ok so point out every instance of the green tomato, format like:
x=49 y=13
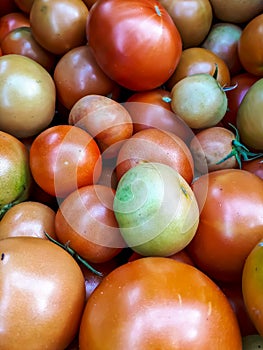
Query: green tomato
x=156 y=210
x=252 y=342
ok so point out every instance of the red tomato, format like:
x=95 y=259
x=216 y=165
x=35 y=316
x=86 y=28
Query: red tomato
x=11 y=21
x=63 y=158
x=158 y=303
x=254 y=166
x=154 y=145
x=231 y=222
x=242 y=81
x=139 y=47
x=85 y=218
x=152 y=109
x=21 y=42
x=24 y=5
x=250 y=46
x=77 y=74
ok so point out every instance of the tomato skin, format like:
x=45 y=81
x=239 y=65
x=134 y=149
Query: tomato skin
x=21 y=41
x=124 y=40
x=254 y=166
x=77 y=74
x=85 y=218
x=252 y=279
x=63 y=158
x=44 y=294
x=59 y=25
x=188 y=315
x=231 y=222
x=11 y=21
x=250 y=44
x=243 y=82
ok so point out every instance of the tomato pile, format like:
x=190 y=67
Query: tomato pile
x=131 y=174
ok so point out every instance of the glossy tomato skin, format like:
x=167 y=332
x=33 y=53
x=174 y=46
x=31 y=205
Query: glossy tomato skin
x=42 y=287
x=231 y=222
x=164 y=310
x=250 y=44
x=252 y=279
x=139 y=47
x=20 y=41
x=192 y=18
x=63 y=158
x=59 y=25
x=85 y=218
x=11 y=21
x=242 y=83
x=77 y=74
x=199 y=60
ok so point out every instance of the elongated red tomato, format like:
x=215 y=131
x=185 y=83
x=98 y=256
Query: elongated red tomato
x=135 y=42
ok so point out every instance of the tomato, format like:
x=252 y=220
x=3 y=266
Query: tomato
x=199 y=60
x=11 y=21
x=156 y=209
x=254 y=166
x=242 y=83
x=105 y=119
x=252 y=285
x=249 y=117
x=252 y=342
x=28 y=219
x=222 y=39
x=59 y=25
x=152 y=109
x=249 y=46
x=236 y=11
x=63 y=158
x=166 y=303
x=86 y=220
x=231 y=222
x=27 y=96
x=212 y=145
x=77 y=74
x=24 y=5
x=154 y=145
x=192 y=18
x=136 y=58
x=42 y=287
x=20 y=41
x=15 y=179
x=199 y=100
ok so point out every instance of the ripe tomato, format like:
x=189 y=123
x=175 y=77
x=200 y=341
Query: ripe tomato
x=77 y=74
x=139 y=47
x=28 y=218
x=199 y=60
x=192 y=18
x=42 y=287
x=254 y=166
x=242 y=83
x=105 y=119
x=27 y=96
x=252 y=279
x=154 y=145
x=231 y=222
x=11 y=21
x=24 y=5
x=158 y=303
x=59 y=25
x=86 y=220
x=20 y=41
x=63 y=158
x=250 y=44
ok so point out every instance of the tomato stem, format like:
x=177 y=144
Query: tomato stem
x=239 y=151
x=74 y=254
